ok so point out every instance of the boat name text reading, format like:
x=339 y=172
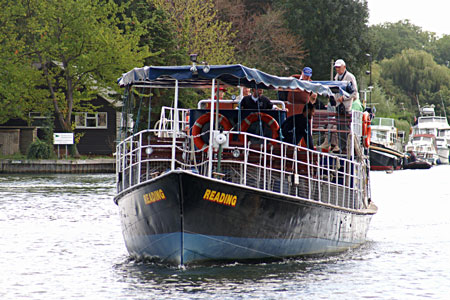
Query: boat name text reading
x=154 y=196
x=221 y=198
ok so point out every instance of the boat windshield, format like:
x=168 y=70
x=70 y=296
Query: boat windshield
x=432 y=120
x=383 y=122
x=423 y=139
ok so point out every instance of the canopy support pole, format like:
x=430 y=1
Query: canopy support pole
x=174 y=127
x=211 y=127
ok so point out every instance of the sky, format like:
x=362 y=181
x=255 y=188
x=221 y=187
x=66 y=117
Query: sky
x=431 y=15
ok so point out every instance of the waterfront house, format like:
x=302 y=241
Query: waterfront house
x=99 y=129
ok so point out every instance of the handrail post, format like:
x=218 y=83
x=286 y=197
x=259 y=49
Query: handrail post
x=319 y=180
x=282 y=169
x=265 y=165
x=130 y=178
x=308 y=162
x=139 y=155
x=245 y=159
x=174 y=127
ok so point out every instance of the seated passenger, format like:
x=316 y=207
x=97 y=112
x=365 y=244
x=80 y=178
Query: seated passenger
x=298 y=126
x=257 y=101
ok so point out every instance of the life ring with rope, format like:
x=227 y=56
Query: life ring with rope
x=366 y=129
x=198 y=126
x=266 y=118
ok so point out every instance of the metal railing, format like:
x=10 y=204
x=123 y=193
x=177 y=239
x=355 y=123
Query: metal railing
x=249 y=160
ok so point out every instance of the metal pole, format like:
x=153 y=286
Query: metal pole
x=370 y=82
x=174 y=127
x=217 y=106
x=370 y=78
x=332 y=69
x=211 y=122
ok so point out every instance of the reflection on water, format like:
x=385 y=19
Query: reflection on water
x=61 y=239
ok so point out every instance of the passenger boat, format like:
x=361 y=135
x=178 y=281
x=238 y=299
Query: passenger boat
x=244 y=195
x=424 y=147
x=386 y=146
x=434 y=149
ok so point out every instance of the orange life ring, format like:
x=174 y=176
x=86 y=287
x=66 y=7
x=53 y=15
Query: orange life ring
x=366 y=129
x=198 y=125
x=266 y=118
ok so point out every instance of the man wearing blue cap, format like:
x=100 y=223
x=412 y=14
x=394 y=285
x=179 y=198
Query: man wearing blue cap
x=299 y=97
x=306 y=74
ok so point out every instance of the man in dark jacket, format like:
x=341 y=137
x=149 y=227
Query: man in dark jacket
x=297 y=127
x=257 y=101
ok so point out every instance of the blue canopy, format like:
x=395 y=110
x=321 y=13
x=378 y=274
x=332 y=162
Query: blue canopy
x=234 y=75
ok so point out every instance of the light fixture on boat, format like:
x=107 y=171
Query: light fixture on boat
x=206 y=67
x=236 y=153
x=193 y=58
x=221 y=139
x=149 y=150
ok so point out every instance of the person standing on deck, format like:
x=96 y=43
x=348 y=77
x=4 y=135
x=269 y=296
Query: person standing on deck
x=257 y=101
x=350 y=102
x=298 y=127
x=306 y=75
x=301 y=97
x=344 y=75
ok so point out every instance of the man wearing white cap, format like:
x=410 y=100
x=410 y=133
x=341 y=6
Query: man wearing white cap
x=344 y=75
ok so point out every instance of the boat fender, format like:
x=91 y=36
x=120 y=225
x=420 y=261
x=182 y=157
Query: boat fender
x=266 y=118
x=198 y=125
x=366 y=129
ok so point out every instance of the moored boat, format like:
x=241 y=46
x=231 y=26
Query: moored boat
x=385 y=145
x=424 y=147
x=430 y=138
x=189 y=194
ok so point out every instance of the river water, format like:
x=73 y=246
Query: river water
x=61 y=239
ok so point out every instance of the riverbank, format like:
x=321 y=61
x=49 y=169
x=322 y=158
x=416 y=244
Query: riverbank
x=100 y=165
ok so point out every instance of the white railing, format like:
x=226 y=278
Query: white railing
x=258 y=163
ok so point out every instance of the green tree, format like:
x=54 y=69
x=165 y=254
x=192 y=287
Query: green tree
x=441 y=50
x=18 y=94
x=389 y=39
x=198 y=30
x=415 y=74
x=78 y=48
x=330 y=30
x=262 y=40
x=159 y=32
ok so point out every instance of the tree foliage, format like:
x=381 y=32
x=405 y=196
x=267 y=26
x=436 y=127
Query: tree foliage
x=198 y=30
x=441 y=50
x=18 y=95
x=414 y=73
x=77 y=47
x=389 y=39
x=330 y=30
x=262 y=39
x=158 y=32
